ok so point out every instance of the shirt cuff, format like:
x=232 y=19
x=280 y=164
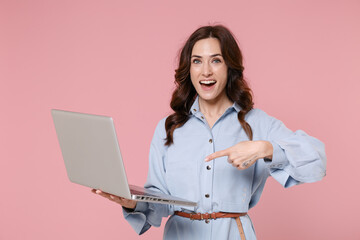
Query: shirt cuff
x=277 y=167
x=137 y=218
x=279 y=160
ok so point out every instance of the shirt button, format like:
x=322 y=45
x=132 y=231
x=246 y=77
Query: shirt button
x=207 y=221
x=194 y=109
x=208 y=167
x=207 y=195
x=202 y=117
x=210 y=140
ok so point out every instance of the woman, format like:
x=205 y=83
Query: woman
x=216 y=150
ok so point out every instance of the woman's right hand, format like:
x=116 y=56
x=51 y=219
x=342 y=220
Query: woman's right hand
x=126 y=203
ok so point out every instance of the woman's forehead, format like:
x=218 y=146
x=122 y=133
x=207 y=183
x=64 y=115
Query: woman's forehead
x=206 y=47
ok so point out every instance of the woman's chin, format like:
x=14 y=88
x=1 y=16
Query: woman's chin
x=208 y=97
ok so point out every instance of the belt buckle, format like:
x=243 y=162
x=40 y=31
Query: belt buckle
x=191 y=216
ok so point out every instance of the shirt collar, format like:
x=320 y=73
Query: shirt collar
x=236 y=107
x=195 y=107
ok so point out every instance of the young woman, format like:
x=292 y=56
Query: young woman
x=216 y=150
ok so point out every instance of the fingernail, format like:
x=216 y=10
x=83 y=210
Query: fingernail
x=111 y=196
x=206 y=159
x=98 y=191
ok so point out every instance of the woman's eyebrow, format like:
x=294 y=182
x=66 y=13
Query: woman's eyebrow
x=213 y=55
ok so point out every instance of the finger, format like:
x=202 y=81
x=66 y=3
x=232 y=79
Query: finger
x=117 y=199
x=217 y=154
x=98 y=191
x=245 y=164
x=124 y=202
x=103 y=194
x=241 y=166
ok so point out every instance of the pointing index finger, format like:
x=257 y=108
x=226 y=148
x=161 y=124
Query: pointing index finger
x=217 y=154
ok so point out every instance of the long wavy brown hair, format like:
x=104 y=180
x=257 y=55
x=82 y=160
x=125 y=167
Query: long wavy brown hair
x=237 y=89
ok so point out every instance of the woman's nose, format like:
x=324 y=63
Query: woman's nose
x=206 y=70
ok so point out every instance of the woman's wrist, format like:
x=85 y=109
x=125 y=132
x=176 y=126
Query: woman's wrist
x=266 y=150
x=130 y=208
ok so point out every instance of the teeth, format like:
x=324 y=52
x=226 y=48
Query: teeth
x=207 y=81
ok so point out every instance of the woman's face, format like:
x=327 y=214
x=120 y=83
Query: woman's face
x=208 y=71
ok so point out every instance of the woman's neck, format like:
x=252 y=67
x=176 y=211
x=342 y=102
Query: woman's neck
x=214 y=107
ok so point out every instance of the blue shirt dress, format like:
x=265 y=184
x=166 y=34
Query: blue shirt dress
x=180 y=170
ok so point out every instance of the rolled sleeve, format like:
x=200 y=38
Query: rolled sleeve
x=297 y=157
x=137 y=217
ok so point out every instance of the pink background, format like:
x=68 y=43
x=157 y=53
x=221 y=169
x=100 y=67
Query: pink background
x=118 y=58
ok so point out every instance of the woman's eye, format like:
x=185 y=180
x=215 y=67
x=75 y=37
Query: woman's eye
x=196 y=61
x=217 y=61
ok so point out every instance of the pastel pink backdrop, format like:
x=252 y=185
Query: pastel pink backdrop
x=118 y=58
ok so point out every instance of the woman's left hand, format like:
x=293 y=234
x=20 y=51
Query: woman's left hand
x=244 y=154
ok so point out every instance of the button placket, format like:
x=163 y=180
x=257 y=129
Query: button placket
x=207 y=170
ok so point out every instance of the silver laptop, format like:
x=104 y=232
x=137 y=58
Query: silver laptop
x=92 y=157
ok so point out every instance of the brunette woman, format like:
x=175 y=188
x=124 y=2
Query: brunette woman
x=216 y=149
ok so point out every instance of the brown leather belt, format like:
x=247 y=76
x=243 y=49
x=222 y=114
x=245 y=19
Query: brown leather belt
x=206 y=216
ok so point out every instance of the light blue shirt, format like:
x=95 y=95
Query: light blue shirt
x=180 y=170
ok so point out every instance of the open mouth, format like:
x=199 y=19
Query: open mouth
x=207 y=83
